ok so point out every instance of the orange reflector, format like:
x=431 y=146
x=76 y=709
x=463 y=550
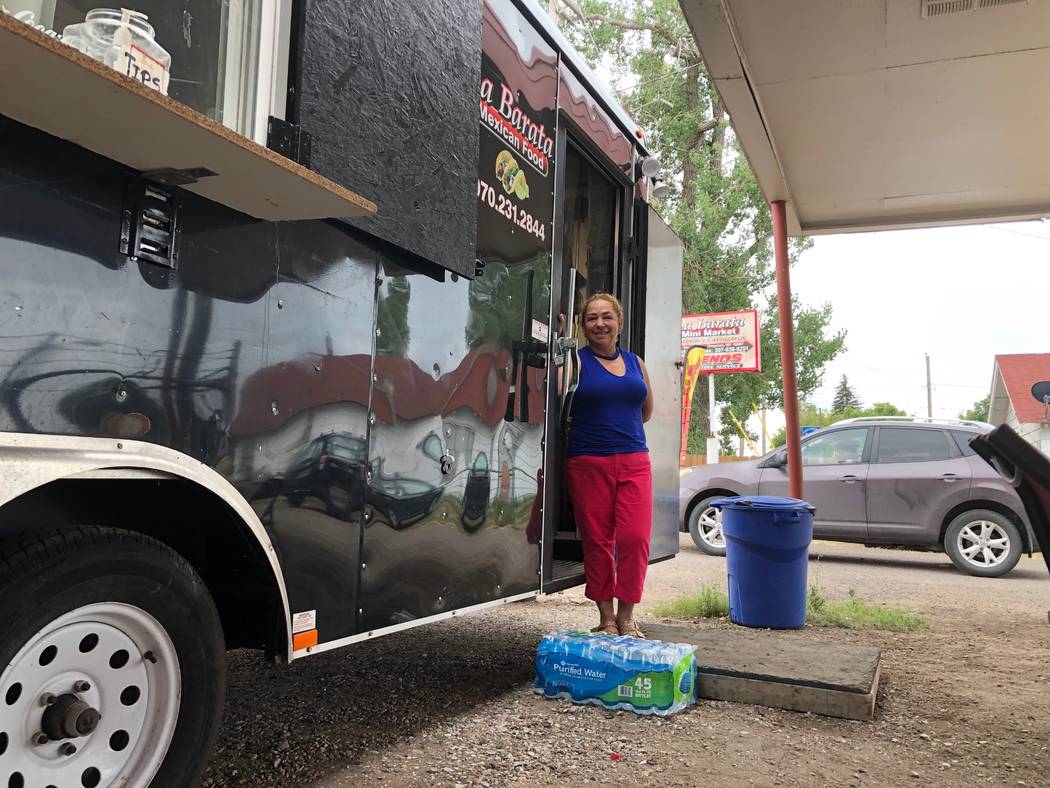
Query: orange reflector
x=304 y=640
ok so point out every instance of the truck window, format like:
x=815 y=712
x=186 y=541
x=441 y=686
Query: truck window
x=209 y=49
x=591 y=212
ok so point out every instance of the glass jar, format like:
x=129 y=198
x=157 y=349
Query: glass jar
x=123 y=40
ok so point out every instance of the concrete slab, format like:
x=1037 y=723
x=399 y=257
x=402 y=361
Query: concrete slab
x=755 y=666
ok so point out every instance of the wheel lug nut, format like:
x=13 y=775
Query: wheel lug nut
x=67 y=749
x=81 y=686
x=41 y=738
x=47 y=700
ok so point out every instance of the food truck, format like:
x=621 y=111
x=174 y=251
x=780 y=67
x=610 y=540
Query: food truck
x=279 y=341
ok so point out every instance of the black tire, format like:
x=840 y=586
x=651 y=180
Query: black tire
x=703 y=536
x=995 y=559
x=50 y=575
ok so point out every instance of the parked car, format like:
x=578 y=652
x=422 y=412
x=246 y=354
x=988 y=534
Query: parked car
x=882 y=482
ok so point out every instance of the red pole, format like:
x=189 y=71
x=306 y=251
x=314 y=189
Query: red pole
x=787 y=349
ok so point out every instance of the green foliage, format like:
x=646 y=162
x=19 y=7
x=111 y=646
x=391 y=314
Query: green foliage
x=812 y=416
x=979 y=411
x=392 y=321
x=714 y=202
x=855 y=613
x=851 y=613
x=711 y=602
x=845 y=398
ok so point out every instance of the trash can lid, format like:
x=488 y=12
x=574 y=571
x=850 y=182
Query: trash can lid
x=764 y=502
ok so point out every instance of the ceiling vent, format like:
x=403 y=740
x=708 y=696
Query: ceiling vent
x=934 y=8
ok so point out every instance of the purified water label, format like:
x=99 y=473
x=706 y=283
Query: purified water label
x=645 y=676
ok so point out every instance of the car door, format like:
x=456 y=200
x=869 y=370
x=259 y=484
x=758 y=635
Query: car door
x=834 y=473
x=917 y=474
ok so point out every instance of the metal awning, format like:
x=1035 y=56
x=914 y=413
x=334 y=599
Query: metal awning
x=880 y=114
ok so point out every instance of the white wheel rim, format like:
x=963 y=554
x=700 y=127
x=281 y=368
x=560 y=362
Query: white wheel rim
x=983 y=543
x=710 y=527
x=137 y=699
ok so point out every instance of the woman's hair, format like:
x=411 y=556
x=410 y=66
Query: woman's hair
x=617 y=308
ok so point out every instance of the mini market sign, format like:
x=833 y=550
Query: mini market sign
x=731 y=340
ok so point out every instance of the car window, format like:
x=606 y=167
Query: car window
x=911 y=445
x=963 y=439
x=842 y=447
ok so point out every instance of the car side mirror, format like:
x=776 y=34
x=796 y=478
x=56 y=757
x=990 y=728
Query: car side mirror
x=778 y=460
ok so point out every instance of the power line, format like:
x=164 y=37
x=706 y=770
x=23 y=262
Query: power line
x=1015 y=232
x=668 y=75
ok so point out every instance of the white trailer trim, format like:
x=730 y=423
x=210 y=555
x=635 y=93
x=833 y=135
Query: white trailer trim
x=31 y=461
x=333 y=644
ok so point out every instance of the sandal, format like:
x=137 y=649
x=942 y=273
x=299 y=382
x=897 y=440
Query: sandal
x=630 y=629
x=608 y=628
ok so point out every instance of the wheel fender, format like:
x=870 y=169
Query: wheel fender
x=31 y=461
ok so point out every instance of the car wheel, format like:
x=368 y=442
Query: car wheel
x=983 y=543
x=705 y=526
x=113 y=663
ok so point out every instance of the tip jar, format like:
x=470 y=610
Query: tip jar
x=124 y=40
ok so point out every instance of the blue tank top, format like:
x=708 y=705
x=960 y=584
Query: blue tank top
x=606 y=409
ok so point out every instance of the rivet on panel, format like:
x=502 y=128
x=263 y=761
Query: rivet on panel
x=275 y=407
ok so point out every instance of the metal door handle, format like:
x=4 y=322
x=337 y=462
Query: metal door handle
x=949 y=477
x=849 y=478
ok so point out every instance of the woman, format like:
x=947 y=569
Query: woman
x=609 y=477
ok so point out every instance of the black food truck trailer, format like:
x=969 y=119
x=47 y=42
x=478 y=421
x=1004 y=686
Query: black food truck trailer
x=242 y=405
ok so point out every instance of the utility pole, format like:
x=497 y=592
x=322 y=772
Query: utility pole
x=929 y=389
x=712 y=422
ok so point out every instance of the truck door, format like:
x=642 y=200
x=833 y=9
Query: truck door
x=588 y=253
x=658 y=285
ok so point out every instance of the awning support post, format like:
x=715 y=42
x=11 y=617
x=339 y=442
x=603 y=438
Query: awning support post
x=787 y=349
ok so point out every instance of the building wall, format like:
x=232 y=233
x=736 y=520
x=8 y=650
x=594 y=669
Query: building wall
x=1035 y=433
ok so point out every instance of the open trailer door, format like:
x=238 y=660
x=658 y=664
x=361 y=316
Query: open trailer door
x=660 y=288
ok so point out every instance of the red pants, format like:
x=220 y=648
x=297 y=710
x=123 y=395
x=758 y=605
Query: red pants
x=612 y=498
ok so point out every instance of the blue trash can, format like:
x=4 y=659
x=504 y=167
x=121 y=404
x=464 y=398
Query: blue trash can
x=767 y=557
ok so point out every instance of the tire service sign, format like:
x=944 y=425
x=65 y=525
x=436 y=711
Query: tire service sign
x=731 y=340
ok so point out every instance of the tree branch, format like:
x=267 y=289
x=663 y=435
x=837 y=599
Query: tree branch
x=625 y=24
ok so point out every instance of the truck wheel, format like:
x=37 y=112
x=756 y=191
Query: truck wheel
x=112 y=660
x=983 y=543
x=705 y=526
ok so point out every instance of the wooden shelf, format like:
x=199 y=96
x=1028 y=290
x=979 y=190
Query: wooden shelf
x=59 y=90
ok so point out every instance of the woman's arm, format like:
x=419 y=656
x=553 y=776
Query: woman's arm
x=647 y=406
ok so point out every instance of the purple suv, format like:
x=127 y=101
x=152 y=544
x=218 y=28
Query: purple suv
x=881 y=481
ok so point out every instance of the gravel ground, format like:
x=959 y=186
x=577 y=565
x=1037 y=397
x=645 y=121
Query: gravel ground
x=449 y=704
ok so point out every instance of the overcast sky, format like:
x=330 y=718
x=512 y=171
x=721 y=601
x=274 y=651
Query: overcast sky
x=961 y=294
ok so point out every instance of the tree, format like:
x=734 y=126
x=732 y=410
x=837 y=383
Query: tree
x=812 y=416
x=979 y=411
x=845 y=399
x=714 y=202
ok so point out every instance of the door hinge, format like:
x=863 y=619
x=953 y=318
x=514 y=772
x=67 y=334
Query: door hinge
x=289 y=140
x=149 y=227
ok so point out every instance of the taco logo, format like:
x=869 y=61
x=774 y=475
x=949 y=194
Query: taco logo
x=511 y=176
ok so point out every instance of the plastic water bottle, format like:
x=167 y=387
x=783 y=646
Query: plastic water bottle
x=616 y=672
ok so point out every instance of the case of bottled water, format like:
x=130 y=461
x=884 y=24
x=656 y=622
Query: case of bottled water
x=617 y=672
